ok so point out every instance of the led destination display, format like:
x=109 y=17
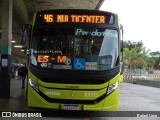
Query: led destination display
x=99 y=19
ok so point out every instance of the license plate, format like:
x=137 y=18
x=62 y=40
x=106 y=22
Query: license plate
x=71 y=107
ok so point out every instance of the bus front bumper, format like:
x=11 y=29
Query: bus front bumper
x=109 y=103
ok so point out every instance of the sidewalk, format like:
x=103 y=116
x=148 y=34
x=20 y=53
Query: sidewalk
x=17 y=101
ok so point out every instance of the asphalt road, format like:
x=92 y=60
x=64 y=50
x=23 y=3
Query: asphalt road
x=135 y=97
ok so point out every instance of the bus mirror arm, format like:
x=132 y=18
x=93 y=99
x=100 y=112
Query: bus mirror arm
x=26 y=36
x=28 y=52
x=121 y=46
x=25 y=33
x=27 y=26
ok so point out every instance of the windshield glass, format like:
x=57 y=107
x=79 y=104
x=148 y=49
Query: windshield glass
x=75 y=48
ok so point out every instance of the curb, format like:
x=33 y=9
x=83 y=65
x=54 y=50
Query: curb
x=150 y=83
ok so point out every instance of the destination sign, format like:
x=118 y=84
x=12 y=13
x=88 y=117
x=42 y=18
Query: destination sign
x=58 y=18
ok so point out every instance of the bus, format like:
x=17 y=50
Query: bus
x=74 y=60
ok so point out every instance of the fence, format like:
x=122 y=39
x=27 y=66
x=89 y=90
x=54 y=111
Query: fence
x=131 y=75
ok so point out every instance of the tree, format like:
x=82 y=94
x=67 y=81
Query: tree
x=156 y=56
x=132 y=58
x=137 y=56
x=131 y=44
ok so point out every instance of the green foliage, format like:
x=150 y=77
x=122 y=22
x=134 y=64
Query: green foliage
x=155 y=54
x=130 y=44
x=137 y=56
x=156 y=57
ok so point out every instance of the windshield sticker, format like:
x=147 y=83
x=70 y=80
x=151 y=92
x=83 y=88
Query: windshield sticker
x=43 y=65
x=91 y=66
x=54 y=62
x=47 y=51
x=46 y=65
x=50 y=66
x=103 y=61
x=68 y=67
x=68 y=61
x=59 y=66
x=107 y=33
x=42 y=58
x=79 y=64
x=57 y=59
x=61 y=59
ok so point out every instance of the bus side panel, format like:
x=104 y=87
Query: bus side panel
x=32 y=96
x=121 y=78
x=112 y=101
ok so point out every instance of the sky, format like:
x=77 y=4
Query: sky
x=140 y=20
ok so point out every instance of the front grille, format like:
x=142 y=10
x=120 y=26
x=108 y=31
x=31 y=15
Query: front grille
x=69 y=101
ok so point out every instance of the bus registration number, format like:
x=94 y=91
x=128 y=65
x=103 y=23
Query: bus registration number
x=71 y=107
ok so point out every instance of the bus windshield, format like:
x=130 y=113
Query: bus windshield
x=76 y=48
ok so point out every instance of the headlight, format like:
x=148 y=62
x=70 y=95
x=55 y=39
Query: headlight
x=33 y=84
x=112 y=87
